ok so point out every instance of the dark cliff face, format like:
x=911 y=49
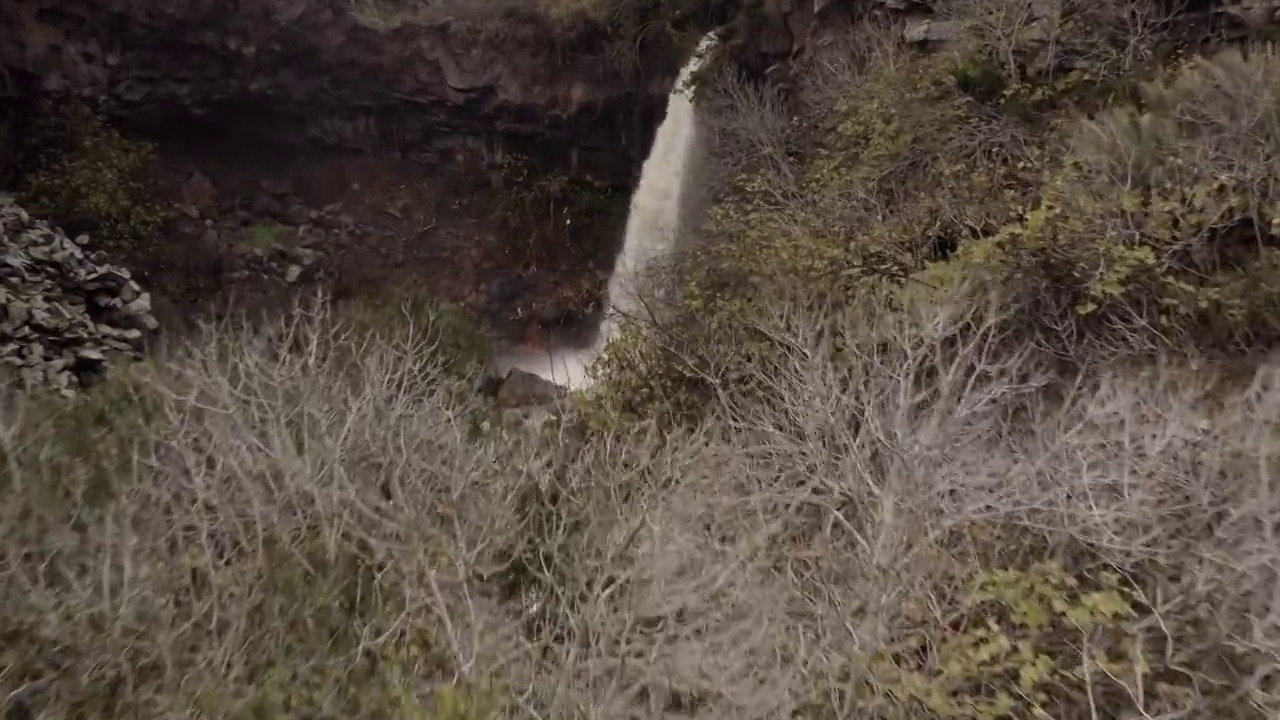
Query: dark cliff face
x=315 y=72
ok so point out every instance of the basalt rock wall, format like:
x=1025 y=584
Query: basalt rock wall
x=323 y=72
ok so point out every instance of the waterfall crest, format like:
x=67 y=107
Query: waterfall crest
x=654 y=222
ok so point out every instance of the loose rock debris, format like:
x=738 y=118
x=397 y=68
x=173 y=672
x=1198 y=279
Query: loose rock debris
x=65 y=313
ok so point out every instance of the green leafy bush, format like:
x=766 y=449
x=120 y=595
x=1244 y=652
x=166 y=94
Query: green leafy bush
x=1146 y=226
x=1157 y=230
x=1013 y=643
x=895 y=164
x=88 y=178
x=642 y=375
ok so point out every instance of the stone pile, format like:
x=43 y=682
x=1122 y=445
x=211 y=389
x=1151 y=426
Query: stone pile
x=65 y=314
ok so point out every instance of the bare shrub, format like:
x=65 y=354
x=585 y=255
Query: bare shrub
x=931 y=522
x=1215 y=116
x=302 y=520
x=896 y=510
x=1038 y=39
x=762 y=133
x=751 y=126
x=268 y=525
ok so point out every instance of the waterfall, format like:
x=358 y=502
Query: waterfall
x=654 y=222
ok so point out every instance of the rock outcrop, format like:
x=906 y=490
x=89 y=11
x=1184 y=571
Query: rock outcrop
x=322 y=71
x=65 y=315
x=521 y=399
x=520 y=389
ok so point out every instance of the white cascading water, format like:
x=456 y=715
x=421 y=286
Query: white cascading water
x=654 y=223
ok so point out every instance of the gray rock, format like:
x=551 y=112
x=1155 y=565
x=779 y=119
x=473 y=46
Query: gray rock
x=130 y=292
x=903 y=5
x=90 y=355
x=302 y=255
x=63 y=312
x=106 y=301
x=56 y=379
x=109 y=280
x=17 y=314
x=524 y=389
x=928 y=31
x=292 y=273
x=15 y=266
x=43 y=321
x=140 y=305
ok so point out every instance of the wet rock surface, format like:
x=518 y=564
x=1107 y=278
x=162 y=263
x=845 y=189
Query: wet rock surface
x=66 y=314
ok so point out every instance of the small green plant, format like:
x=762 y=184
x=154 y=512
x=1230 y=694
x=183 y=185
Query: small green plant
x=265 y=237
x=463 y=702
x=1015 y=643
x=86 y=177
x=640 y=376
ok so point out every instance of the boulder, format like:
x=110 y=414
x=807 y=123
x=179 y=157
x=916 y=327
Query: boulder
x=927 y=31
x=524 y=389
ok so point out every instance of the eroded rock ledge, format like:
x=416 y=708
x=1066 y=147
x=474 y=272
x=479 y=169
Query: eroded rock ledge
x=315 y=71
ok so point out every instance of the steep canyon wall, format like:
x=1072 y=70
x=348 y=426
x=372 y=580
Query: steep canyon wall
x=322 y=72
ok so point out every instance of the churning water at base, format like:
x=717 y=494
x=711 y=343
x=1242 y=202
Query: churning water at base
x=653 y=227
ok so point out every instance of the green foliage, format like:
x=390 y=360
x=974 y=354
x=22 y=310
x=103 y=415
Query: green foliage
x=265 y=237
x=899 y=166
x=317 y=595
x=463 y=702
x=980 y=77
x=1158 y=227
x=641 y=375
x=901 y=162
x=87 y=178
x=1016 y=643
x=1147 y=225
x=95 y=435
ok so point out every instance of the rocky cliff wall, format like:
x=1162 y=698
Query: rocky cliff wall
x=316 y=71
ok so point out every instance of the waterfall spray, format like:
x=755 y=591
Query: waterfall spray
x=654 y=223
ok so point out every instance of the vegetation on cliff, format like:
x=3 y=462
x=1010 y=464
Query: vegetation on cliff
x=86 y=177
x=952 y=413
